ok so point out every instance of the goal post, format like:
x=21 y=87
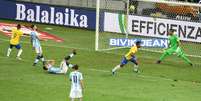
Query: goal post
x=97 y=25
x=148 y=21
x=101 y=36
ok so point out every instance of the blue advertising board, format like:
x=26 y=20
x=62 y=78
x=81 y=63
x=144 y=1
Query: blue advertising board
x=151 y=43
x=41 y=13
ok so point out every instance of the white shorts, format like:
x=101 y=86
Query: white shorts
x=38 y=50
x=77 y=93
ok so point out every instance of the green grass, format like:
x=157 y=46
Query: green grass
x=173 y=80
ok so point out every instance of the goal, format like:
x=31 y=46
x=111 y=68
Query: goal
x=119 y=26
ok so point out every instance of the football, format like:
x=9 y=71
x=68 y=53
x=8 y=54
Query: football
x=132 y=8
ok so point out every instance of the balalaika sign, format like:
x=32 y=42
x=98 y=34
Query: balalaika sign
x=40 y=13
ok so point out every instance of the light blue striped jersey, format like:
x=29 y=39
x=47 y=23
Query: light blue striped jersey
x=75 y=78
x=54 y=70
x=35 y=39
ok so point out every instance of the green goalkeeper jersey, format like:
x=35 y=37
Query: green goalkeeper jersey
x=174 y=41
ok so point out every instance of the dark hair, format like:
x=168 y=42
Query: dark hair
x=76 y=67
x=44 y=67
x=171 y=30
x=18 y=26
x=32 y=26
x=67 y=58
x=138 y=42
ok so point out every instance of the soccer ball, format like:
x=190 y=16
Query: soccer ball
x=132 y=8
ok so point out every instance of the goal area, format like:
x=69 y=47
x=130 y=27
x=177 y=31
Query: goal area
x=148 y=21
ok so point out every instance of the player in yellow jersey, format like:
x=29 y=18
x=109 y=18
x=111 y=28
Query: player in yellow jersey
x=15 y=41
x=130 y=56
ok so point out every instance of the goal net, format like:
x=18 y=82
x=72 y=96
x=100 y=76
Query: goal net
x=119 y=26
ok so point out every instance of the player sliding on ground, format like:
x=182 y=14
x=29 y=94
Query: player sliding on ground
x=130 y=56
x=64 y=65
x=36 y=45
x=15 y=41
x=174 y=47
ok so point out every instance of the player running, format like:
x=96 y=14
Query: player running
x=130 y=56
x=64 y=65
x=174 y=47
x=15 y=41
x=36 y=45
x=77 y=85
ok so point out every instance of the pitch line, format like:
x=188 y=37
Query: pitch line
x=151 y=78
x=140 y=75
x=87 y=49
x=153 y=51
x=98 y=70
x=102 y=50
x=47 y=45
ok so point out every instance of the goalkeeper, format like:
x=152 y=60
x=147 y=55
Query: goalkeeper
x=174 y=47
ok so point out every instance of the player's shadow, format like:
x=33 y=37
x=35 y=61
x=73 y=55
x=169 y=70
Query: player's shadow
x=175 y=64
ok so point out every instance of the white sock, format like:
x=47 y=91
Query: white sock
x=19 y=53
x=36 y=61
x=116 y=68
x=70 y=65
x=72 y=99
x=8 y=52
x=42 y=59
x=71 y=55
x=135 y=67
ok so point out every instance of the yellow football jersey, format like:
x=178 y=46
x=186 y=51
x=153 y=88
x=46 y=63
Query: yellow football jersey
x=15 y=37
x=131 y=52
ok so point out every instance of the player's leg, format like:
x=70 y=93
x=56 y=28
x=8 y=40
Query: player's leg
x=72 y=99
x=79 y=95
x=40 y=51
x=181 y=54
x=19 y=51
x=65 y=65
x=72 y=95
x=165 y=54
x=80 y=99
x=36 y=59
x=9 y=50
x=135 y=66
x=70 y=65
x=185 y=58
x=70 y=55
x=117 y=67
x=42 y=58
x=39 y=56
x=123 y=62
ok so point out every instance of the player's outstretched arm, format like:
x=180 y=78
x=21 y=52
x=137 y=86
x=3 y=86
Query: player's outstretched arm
x=31 y=41
x=50 y=61
x=178 y=43
x=26 y=34
x=7 y=29
x=82 y=84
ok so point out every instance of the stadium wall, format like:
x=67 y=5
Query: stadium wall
x=48 y=14
x=151 y=26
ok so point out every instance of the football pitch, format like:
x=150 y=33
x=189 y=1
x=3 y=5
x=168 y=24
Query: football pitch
x=173 y=80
